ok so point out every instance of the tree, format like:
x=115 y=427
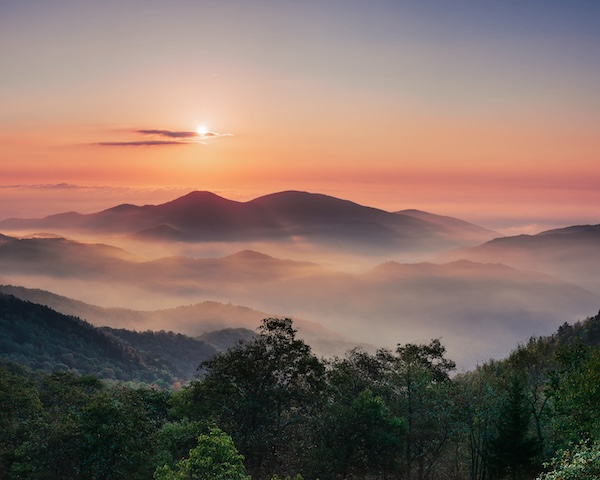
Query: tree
x=20 y=412
x=479 y=406
x=575 y=391
x=513 y=447
x=263 y=392
x=176 y=439
x=91 y=431
x=533 y=363
x=360 y=440
x=581 y=461
x=214 y=458
x=54 y=448
x=118 y=431
x=420 y=375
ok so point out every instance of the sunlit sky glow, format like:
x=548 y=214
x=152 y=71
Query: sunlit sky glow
x=488 y=111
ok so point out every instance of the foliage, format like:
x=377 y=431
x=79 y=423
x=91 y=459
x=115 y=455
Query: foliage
x=260 y=392
x=391 y=414
x=85 y=430
x=360 y=438
x=175 y=439
x=420 y=375
x=215 y=458
x=575 y=390
x=581 y=461
x=513 y=448
x=42 y=339
x=174 y=352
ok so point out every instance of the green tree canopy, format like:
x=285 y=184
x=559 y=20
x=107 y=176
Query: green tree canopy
x=262 y=392
x=214 y=458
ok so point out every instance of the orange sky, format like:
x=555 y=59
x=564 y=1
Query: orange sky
x=486 y=113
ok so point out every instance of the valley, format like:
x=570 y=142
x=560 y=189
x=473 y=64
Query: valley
x=480 y=295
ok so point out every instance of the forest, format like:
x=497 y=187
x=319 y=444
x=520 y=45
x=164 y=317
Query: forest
x=268 y=408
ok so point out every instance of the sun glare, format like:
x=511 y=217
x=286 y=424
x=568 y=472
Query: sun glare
x=201 y=130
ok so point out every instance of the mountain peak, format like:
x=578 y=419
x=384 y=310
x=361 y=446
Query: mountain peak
x=294 y=205
x=589 y=230
x=199 y=195
x=299 y=197
x=197 y=200
x=249 y=255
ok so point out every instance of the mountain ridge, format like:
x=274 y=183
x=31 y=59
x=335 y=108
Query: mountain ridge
x=195 y=320
x=461 y=300
x=287 y=216
x=570 y=253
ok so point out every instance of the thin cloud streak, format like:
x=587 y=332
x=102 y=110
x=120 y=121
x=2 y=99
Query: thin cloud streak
x=143 y=143
x=215 y=134
x=169 y=133
x=174 y=137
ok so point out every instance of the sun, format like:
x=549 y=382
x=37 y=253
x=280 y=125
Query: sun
x=201 y=130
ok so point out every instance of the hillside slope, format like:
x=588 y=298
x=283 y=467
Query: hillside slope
x=571 y=253
x=43 y=339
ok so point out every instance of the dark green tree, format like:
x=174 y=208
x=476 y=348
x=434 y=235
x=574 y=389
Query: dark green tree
x=175 y=440
x=91 y=431
x=264 y=393
x=575 y=392
x=21 y=411
x=420 y=377
x=478 y=409
x=359 y=440
x=514 y=447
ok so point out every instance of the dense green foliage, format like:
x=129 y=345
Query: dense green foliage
x=43 y=339
x=214 y=457
x=579 y=462
x=40 y=338
x=268 y=408
x=180 y=353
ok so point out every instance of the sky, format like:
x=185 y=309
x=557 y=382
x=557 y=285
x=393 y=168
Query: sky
x=487 y=111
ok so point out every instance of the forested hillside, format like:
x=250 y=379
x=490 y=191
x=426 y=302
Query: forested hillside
x=181 y=352
x=397 y=414
x=42 y=339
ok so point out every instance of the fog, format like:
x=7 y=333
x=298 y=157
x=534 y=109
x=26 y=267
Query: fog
x=362 y=275
x=477 y=310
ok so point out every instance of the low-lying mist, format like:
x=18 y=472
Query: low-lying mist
x=478 y=310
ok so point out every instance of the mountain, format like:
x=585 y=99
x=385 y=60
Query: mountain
x=479 y=309
x=571 y=253
x=281 y=217
x=163 y=233
x=219 y=325
x=181 y=353
x=43 y=339
x=227 y=338
x=60 y=256
x=454 y=226
x=5 y=239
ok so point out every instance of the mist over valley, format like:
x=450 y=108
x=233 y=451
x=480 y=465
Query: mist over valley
x=332 y=262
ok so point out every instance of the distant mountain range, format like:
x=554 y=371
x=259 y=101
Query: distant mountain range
x=281 y=217
x=571 y=253
x=485 y=306
x=484 y=293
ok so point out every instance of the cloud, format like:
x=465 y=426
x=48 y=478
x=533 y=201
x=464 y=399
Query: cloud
x=142 y=143
x=215 y=134
x=49 y=186
x=163 y=137
x=168 y=133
